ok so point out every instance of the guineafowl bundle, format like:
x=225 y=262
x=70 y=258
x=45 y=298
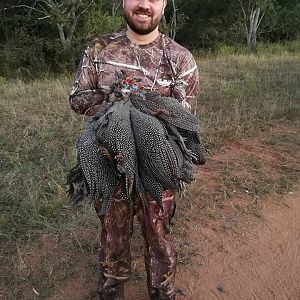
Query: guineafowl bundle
x=143 y=141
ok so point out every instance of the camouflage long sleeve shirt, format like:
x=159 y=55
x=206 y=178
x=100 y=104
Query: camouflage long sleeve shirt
x=162 y=65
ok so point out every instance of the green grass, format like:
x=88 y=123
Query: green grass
x=244 y=94
x=241 y=96
x=263 y=49
x=37 y=148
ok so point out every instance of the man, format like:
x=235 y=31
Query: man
x=162 y=65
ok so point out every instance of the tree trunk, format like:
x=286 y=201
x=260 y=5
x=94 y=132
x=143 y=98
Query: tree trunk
x=252 y=18
x=62 y=36
x=174 y=21
x=164 y=26
x=115 y=6
x=254 y=22
x=3 y=21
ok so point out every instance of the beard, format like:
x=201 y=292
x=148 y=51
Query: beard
x=142 y=28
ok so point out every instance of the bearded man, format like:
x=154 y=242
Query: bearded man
x=164 y=66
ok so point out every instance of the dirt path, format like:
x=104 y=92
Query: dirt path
x=264 y=263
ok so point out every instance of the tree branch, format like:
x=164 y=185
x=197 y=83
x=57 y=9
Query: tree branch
x=261 y=17
x=24 y=6
x=82 y=12
x=243 y=10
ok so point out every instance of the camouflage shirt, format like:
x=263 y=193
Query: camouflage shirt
x=162 y=65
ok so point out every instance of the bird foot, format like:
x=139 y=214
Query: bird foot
x=161 y=112
x=189 y=154
x=120 y=159
x=104 y=151
x=181 y=292
x=120 y=163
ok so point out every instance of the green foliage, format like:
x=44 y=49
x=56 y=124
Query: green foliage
x=174 y=18
x=3 y=81
x=278 y=48
x=100 y=23
x=263 y=49
x=206 y=23
x=23 y=55
x=283 y=22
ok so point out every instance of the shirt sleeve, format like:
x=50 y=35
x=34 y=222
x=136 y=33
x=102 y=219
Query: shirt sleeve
x=86 y=97
x=186 y=86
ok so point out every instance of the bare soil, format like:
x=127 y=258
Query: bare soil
x=260 y=263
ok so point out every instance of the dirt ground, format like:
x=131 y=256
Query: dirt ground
x=237 y=231
x=249 y=248
x=262 y=263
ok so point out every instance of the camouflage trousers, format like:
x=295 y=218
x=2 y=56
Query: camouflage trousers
x=114 y=253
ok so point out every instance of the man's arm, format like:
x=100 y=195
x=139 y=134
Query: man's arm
x=186 y=87
x=86 y=97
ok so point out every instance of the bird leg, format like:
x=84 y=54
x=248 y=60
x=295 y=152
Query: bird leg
x=104 y=151
x=186 y=152
x=120 y=163
x=161 y=112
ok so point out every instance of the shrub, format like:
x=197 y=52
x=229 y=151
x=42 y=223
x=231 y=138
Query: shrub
x=22 y=55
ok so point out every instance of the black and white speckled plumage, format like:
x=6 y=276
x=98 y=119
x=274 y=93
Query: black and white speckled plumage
x=156 y=155
x=180 y=119
x=117 y=136
x=178 y=116
x=150 y=144
x=152 y=186
x=101 y=178
x=186 y=172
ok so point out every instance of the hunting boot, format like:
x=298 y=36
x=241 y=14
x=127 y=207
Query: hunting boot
x=156 y=294
x=114 y=293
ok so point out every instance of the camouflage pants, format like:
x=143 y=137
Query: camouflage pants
x=114 y=254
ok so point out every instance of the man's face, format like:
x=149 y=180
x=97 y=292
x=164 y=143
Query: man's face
x=143 y=16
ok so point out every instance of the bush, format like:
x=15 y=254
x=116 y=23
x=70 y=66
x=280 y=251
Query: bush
x=278 y=48
x=100 y=23
x=22 y=56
